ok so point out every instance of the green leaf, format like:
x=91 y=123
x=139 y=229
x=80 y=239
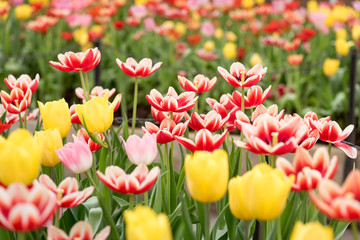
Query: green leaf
x=156 y=196
x=339 y=228
x=5 y=235
x=188 y=233
x=214 y=231
x=121 y=202
x=95 y=217
x=92 y=202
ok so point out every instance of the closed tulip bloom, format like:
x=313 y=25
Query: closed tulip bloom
x=229 y=50
x=143 y=223
x=81 y=230
x=355 y=32
x=199 y=85
x=56 y=114
x=311 y=231
x=51 y=141
x=142 y=69
x=96 y=114
x=342 y=46
x=207 y=175
x=260 y=193
x=23 y=11
x=141 y=150
x=330 y=66
x=20 y=157
x=76 y=156
x=23 y=82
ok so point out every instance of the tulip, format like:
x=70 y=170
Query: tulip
x=23 y=82
x=159 y=116
x=20 y=157
x=255 y=59
x=82 y=133
x=172 y=102
x=139 y=181
x=212 y=121
x=355 y=32
x=309 y=171
x=230 y=36
x=260 y=193
x=255 y=96
x=311 y=231
x=56 y=114
x=4 y=127
x=342 y=46
x=167 y=131
x=18 y=100
x=81 y=230
x=96 y=114
x=76 y=156
x=209 y=46
x=229 y=50
x=341 y=34
x=209 y=187
x=26 y=209
x=295 y=59
x=339 y=202
x=199 y=85
x=141 y=150
x=51 y=141
x=67 y=192
x=330 y=66
x=143 y=223
x=75 y=62
x=142 y=69
x=240 y=77
x=23 y=11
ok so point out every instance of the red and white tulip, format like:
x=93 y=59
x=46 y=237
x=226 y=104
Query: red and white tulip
x=23 y=82
x=167 y=131
x=199 y=85
x=142 y=69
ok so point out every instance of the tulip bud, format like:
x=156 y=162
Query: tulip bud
x=20 y=157
x=355 y=32
x=255 y=59
x=209 y=187
x=143 y=223
x=141 y=150
x=311 y=231
x=229 y=50
x=23 y=11
x=51 y=141
x=260 y=193
x=56 y=114
x=342 y=46
x=330 y=66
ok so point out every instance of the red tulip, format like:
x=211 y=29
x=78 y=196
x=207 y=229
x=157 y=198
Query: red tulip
x=167 y=131
x=172 y=102
x=339 y=202
x=255 y=96
x=82 y=133
x=97 y=91
x=204 y=141
x=75 y=62
x=23 y=82
x=23 y=209
x=142 y=69
x=159 y=116
x=139 y=181
x=67 y=192
x=18 y=100
x=81 y=230
x=308 y=171
x=199 y=85
x=212 y=121
x=239 y=77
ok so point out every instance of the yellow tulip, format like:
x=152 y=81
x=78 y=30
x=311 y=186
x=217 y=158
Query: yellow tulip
x=23 y=11
x=209 y=46
x=311 y=231
x=260 y=2
x=312 y=6
x=341 y=13
x=229 y=50
x=96 y=114
x=255 y=59
x=56 y=114
x=230 y=36
x=247 y=4
x=51 y=141
x=260 y=193
x=355 y=32
x=180 y=28
x=143 y=223
x=329 y=21
x=341 y=33
x=81 y=36
x=141 y=2
x=44 y=3
x=20 y=157
x=342 y=47
x=219 y=33
x=330 y=66
x=207 y=175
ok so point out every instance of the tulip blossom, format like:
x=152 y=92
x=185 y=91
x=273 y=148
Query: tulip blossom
x=267 y=135
x=82 y=133
x=80 y=61
x=139 y=181
x=339 y=202
x=141 y=150
x=81 y=230
x=308 y=171
x=18 y=100
x=167 y=131
x=260 y=193
x=223 y=106
x=142 y=69
x=204 y=141
x=199 y=85
x=212 y=186
x=76 y=156
x=97 y=91
x=50 y=140
x=23 y=82
x=4 y=126
x=240 y=77
x=159 y=116
x=143 y=223
x=331 y=132
x=67 y=192
x=311 y=230
x=212 y=121
x=172 y=102
x=25 y=209
x=255 y=96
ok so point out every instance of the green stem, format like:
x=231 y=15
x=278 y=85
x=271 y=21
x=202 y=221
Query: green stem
x=21 y=236
x=262 y=229
x=246 y=226
x=278 y=230
x=25 y=119
x=87 y=84
x=207 y=222
x=146 y=198
x=329 y=149
x=107 y=213
x=20 y=120
x=131 y=201
x=134 y=106
x=168 y=177
x=354 y=230
x=272 y=159
x=196 y=105
x=83 y=85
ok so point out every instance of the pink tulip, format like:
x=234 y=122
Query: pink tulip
x=76 y=156
x=81 y=230
x=134 y=69
x=141 y=150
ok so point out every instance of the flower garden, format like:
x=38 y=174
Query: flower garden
x=179 y=119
